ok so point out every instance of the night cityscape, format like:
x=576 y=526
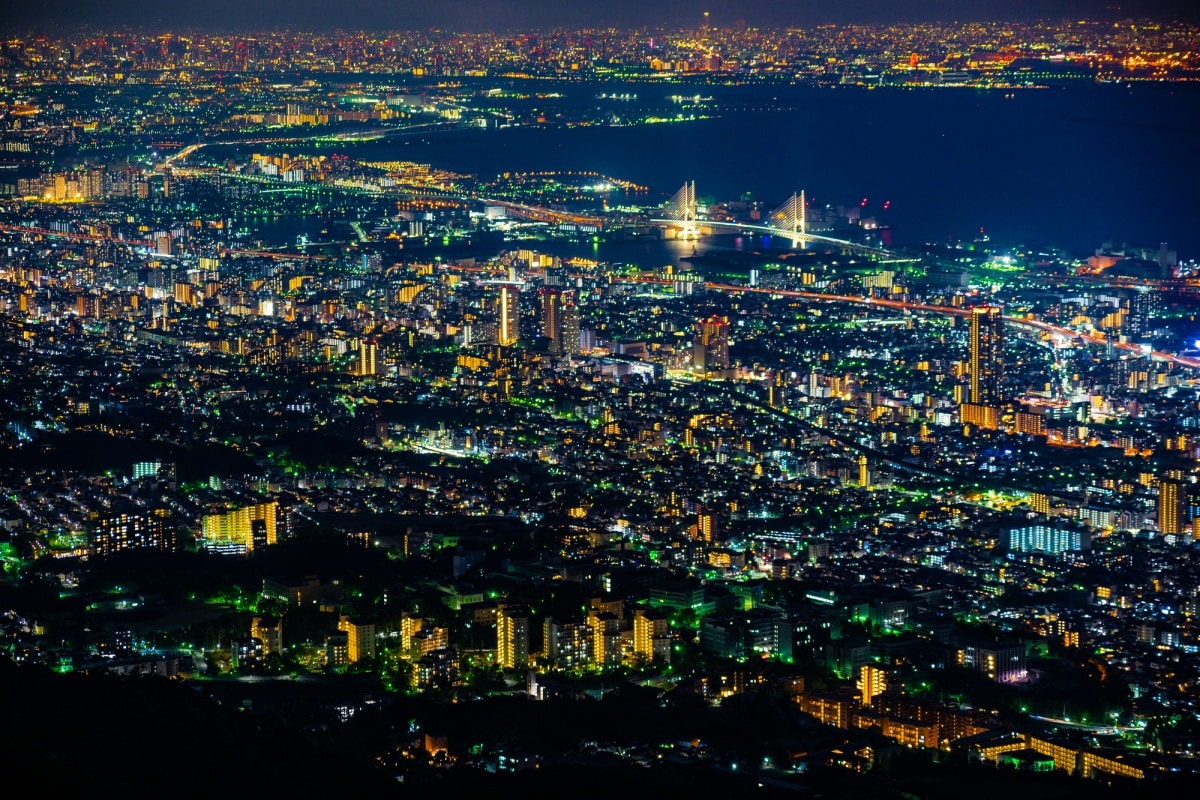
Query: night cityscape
x=744 y=402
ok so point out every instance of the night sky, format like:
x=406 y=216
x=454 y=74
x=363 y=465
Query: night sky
x=232 y=15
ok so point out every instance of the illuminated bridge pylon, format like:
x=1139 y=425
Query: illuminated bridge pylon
x=792 y=217
x=682 y=205
x=790 y=220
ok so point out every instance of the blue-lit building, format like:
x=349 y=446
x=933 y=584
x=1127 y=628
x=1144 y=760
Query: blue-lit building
x=1047 y=539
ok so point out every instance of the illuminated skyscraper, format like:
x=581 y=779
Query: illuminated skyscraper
x=710 y=348
x=367 y=358
x=1171 y=505
x=512 y=636
x=987 y=355
x=570 y=325
x=508 y=326
x=560 y=319
x=777 y=391
x=551 y=300
x=1141 y=305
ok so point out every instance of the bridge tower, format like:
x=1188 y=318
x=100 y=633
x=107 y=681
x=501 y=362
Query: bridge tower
x=683 y=203
x=792 y=217
x=682 y=207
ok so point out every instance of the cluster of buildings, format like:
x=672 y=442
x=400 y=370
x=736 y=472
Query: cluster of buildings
x=852 y=482
x=605 y=638
x=100 y=516
x=949 y=52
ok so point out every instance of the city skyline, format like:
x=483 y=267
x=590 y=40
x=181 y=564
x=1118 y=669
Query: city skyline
x=699 y=410
x=478 y=15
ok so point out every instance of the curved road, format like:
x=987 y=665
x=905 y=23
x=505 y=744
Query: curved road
x=1093 y=339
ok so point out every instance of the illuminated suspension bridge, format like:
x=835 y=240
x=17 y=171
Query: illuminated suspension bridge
x=790 y=221
x=681 y=209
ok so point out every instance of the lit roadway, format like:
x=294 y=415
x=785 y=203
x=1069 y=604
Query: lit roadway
x=75 y=237
x=525 y=211
x=538 y=213
x=1083 y=726
x=845 y=439
x=1090 y=338
x=345 y=136
x=87 y=237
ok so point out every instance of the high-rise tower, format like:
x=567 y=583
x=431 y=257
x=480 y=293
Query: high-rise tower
x=710 y=348
x=368 y=355
x=987 y=356
x=551 y=300
x=570 y=325
x=1171 y=504
x=508 y=324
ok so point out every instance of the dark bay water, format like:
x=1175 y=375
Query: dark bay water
x=1068 y=167
x=645 y=252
